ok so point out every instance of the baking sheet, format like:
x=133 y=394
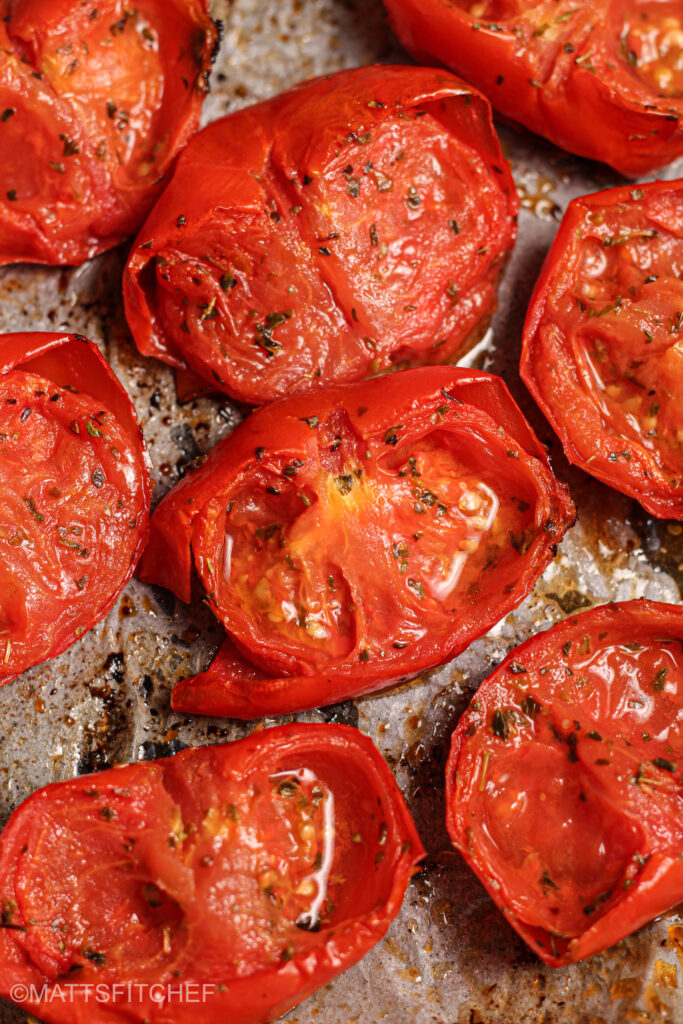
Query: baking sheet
x=449 y=958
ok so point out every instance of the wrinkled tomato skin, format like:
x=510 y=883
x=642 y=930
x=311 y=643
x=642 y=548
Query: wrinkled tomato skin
x=563 y=788
x=75 y=495
x=354 y=224
x=350 y=537
x=194 y=871
x=94 y=108
x=569 y=72
x=602 y=352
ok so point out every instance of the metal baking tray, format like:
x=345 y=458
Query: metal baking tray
x=449 y=958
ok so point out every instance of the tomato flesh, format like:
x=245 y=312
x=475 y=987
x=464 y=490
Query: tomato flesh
x=412 y=222
x=368 y=234
x=350 y=537
x=264 y=884
x=603 y=79
x=497 y=10
x=220 y=866
x=86 y=99
x=580 y=856
x=651 y=43
x=365 y=551
x=563 y=792
x=605 y=327
x=69 y=516
x=422 y=226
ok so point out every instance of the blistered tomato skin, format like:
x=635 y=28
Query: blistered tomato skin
x=354 y=224
x=602 y=79
x=350 y=537
x=250 y=873
x=96 y=100
x=602 y=352
x=563 y=783
x=74 y=502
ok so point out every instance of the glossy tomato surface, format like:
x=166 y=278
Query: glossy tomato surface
x=96 y=100
x=564 y=785
x=353 y=224
x=74 y=498
x=248 y=874
x=603 y=78
x=603 y=350
x=352 y=536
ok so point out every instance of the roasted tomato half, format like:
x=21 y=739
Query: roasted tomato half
x=96 y=99
x=74 y=499
x=245 y=876
x=350 y=537
x=564 y=788
x=603 y=343
x=602 y=78
x=354 y=224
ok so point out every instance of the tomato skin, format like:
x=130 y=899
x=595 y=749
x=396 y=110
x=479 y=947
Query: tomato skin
x=560 y=786
x=345 y=537
x=94 y=112
x=119 y=823
x=63 y=481
x=572 y=85
x=355 y=223
x=617 y=370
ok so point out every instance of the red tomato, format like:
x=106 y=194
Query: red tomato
x=562 y=792
x=96 y=99
x=352 y=536
x=356 y=223
x=74 y=502
x=252 y=872
x=603 y=78
x=602 y=351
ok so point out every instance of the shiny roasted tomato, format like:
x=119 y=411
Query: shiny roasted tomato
x=564 y=788
x=74 y=500
x=356 y=223
x=352 y=536
x=603 y=343
x=96 y=100
x=245 y=875
x=602 y=78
